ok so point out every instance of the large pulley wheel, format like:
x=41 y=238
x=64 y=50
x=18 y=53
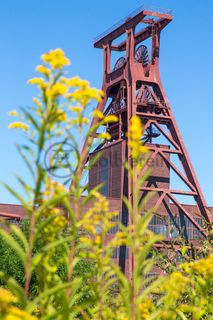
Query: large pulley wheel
x=142 y=55
x=119 y=63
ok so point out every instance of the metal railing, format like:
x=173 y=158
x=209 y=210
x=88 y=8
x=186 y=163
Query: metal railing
x=131 y=15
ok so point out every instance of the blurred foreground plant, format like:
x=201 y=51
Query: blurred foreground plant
x=64 y=236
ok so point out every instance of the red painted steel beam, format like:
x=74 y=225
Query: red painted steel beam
x=178 y=172
x=164 y=150
x=160 y=200
x=142 y=35
x=154 y=116
x=182 y=192
x=117 y=32
x=187 y=214
x=171 y=140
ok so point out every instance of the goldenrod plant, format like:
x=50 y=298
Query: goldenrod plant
x=65 y=237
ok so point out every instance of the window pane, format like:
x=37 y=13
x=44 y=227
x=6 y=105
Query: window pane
x=104 y=175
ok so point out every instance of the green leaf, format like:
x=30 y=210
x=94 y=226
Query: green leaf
x=30 y=118
x=47 y=293
x=42 y=225
x=56 y=200
x=25 y=158
x=57 y=243
x=17 y=196
x=19 y=233
x=28 y=190
x=182 y=316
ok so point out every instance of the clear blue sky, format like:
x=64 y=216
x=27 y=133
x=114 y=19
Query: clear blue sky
x=29 y=28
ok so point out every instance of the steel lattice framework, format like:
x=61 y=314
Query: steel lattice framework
x=134 y=87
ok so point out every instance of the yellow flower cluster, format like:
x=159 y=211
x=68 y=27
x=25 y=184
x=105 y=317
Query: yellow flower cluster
x=6 y=297
x=146 y=309
x=56 y=58
x=76 y=109
x=97 y=114
x=53 y=187
x=60 y=115
x=76 y=82
x=134 y=135
x=10 y=312
x=55 y=226
x=97 y=221
x=104 y=135
x=110 y=119
x=18 y=125
x=170 y=287
x=79 y=121
x=43 y=69
x=39 y=82
x=203 y=267
x=120 y=239
x=84 y=95
x=37 y=102
x=56 y=90
x=12 y=113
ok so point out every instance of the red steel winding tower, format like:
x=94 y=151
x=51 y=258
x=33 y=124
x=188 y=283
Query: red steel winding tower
x=133 y=87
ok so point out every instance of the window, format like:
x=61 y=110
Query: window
x=174 y=228
x=182 y=225
x=104 y=176
x=196 y=232
x=158 y=225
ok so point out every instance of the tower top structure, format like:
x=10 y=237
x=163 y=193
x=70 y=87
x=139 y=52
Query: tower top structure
x=132 y=87
x=160 y=18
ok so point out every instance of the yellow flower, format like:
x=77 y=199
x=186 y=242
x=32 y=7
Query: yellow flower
x=61 y=115
x=134 y=135
x=37 y=102
x=79 y=121
x=98 y=239
x=203 y=267
x=84 y=95
x=56 y=58
x=77 y=82
x=143 y=149
x=18 y=125
x=104 y=135
x=110 y=118
x=86 y=240
x=6 y=296
x=12 y=113
x=39 y=82
x=54 y=187
x=56 y=90
x=76 y=109
x=97 y=114
x=11 y=312
x=135 y=128
x=146 y=309
x=96 y=94
x=171 y=288
x=17 y=314
x=64 y=80
x=44 y=70
x=60 y=221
